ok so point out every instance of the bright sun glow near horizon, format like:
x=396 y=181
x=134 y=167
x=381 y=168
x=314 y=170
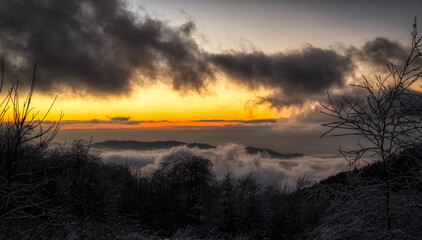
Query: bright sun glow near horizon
x=161 y=106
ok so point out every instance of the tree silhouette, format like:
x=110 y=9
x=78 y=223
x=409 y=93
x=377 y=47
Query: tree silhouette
x=23 y=178
x=389 y=120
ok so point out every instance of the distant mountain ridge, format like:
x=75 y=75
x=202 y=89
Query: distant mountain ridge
x=136 y=145
x=144 y=146
x=270 y=153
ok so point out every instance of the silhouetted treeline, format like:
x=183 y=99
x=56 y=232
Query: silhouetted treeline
x=68 y=193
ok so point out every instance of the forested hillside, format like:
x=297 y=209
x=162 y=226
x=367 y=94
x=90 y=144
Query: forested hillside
x=68 y=193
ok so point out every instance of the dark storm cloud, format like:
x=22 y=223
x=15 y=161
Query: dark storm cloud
x=306 y=75
x=381 y=51
x=295 y=76
x=97 y=46
x=277 y=98
x=101 y=48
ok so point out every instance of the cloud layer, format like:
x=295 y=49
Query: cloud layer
x=296 y=75
x=381 y=51
x=128 y=121
x=234 y=156
x=101 y=48
x=97 y=46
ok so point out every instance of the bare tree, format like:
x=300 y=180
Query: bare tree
x=389 y=120
x=25 y=128
x=23 y=139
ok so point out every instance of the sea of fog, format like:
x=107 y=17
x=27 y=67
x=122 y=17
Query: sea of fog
x=265 y=169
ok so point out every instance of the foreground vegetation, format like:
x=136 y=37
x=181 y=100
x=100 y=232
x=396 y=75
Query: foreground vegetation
x=68 y=193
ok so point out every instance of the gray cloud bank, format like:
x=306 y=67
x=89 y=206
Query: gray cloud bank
x=97 y=46
x=297 y=75
x=101 y=48
x=265 y=169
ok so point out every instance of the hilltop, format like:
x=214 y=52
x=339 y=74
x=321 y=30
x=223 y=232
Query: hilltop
x=144 y=146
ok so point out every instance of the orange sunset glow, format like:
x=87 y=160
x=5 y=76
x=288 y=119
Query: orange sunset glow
x=224 y=101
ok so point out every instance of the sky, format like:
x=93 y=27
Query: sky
x=248 y=72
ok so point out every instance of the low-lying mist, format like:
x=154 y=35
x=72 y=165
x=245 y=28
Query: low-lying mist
x=265 y=169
